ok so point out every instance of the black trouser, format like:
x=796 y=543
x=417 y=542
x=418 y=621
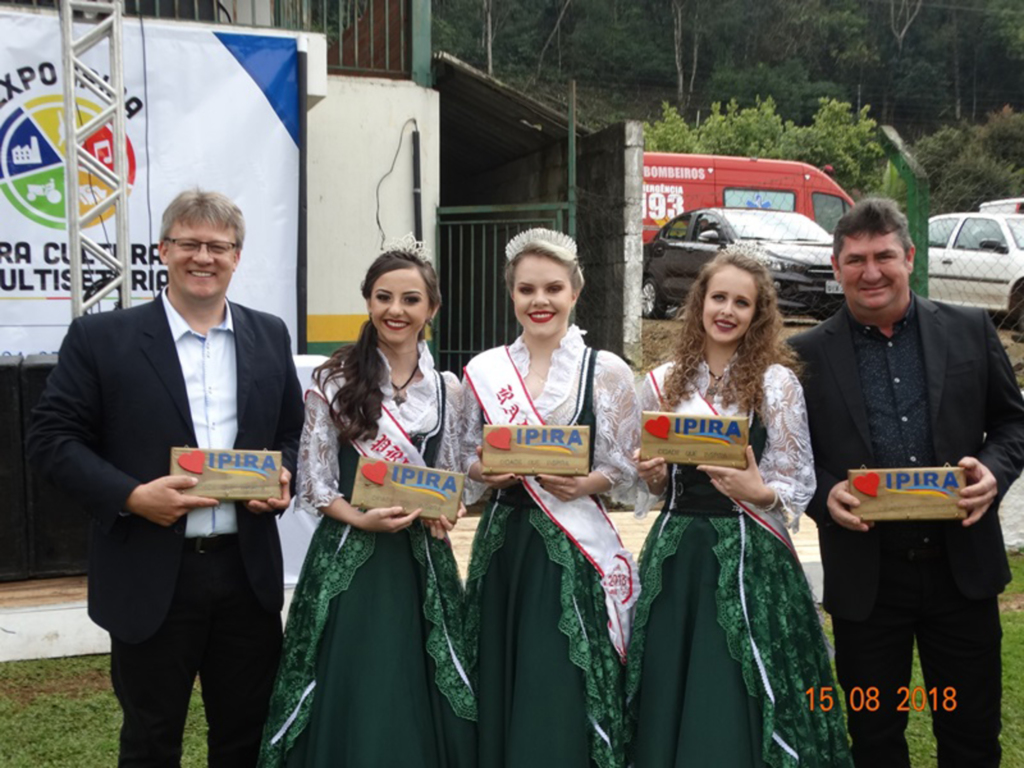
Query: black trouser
x=958 y=641
x=217 y=628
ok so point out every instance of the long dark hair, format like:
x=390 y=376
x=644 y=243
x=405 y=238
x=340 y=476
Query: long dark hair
x=356 y=406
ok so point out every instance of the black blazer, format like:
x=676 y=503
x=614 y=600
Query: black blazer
x=976 y=410
x=112 y=409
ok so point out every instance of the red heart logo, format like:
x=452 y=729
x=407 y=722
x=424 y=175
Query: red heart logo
x=192 y=462
x=867 y=484
x=375 y=472
x=658 y=427
x=500 y=439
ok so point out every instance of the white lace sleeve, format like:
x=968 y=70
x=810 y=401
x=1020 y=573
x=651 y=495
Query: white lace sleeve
x=472 y=429
x=618 y=425
x=449 y=456
x=649 y=401
x=318 y=472
x=787 y=465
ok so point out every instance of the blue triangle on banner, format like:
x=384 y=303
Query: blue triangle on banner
x=273 y=63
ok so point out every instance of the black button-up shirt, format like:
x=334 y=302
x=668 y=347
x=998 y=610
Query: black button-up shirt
x=895 y=387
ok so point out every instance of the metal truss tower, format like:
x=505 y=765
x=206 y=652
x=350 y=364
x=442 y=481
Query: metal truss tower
x=97 y=167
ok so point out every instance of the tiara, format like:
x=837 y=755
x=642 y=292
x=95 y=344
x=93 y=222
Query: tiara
x=407 y=243
x=539 y=234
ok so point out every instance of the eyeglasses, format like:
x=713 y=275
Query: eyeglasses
x=214 y=247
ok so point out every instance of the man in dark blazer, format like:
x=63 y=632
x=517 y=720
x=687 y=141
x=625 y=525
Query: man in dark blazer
x=185 y=585
x=895 y=380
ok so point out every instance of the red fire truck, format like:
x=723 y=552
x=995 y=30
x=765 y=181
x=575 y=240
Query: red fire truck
x=674 y=183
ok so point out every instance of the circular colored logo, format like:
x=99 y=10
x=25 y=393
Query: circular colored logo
x=32 y=165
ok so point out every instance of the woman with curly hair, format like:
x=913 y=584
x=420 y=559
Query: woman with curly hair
x=373 y=671
x=726 y=636
x=550 y=587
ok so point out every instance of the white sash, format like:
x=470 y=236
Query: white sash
x=696 y=405
x=504 y=399
x=392 y=442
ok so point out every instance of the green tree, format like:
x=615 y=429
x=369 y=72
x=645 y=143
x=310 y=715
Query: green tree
x=962 y=171
x=839 y=138
x=836 y=137
x=1003 y=137
x=788 y=84
x=670 y=134
x=752 y=132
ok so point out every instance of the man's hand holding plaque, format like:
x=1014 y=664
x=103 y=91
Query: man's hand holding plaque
x=234 y=475
x=908 y=493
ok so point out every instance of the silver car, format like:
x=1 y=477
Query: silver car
x=977 y=260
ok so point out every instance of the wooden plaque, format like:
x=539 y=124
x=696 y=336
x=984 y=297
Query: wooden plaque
x=908 y=493
x=382 y=483
x=229 y=474
x=681 y=439
x=540 y=450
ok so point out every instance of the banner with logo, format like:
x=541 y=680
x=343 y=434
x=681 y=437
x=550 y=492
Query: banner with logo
x=215 y=110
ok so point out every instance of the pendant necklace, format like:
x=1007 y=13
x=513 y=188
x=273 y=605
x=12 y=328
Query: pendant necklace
x=399 y=391
x=716 y=382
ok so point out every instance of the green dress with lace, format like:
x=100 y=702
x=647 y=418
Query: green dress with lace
x=550 y=680
x=372 y=673
x=707 y=685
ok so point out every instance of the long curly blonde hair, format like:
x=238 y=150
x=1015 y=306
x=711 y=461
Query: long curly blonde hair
x=761 y=346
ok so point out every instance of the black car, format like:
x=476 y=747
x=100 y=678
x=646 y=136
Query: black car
x=796 y=250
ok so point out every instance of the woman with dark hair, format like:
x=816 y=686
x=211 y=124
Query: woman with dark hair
x=727 y=639
x=550 y=587
x=373 y=672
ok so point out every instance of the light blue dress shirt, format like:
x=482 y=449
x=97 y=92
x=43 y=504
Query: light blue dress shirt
x=209 y=366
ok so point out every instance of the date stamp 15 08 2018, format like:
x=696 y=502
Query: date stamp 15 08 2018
x=915 y=699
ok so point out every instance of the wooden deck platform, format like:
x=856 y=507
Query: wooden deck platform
x=42 y=592
x=48 y=618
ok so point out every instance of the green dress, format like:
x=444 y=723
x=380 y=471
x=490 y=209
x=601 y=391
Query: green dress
x=698 y=692
x=372 y=673
x=550 y=680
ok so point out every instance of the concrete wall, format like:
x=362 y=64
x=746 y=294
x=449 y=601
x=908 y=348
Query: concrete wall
x=353 y=137
x=610 y=188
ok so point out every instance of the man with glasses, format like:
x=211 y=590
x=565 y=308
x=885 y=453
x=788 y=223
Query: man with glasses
x=185 y=585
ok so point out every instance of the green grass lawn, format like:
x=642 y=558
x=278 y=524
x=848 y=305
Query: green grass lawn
x=58 y=713
x=61 y=712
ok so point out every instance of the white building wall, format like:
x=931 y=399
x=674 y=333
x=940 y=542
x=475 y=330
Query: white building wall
x=353 y=136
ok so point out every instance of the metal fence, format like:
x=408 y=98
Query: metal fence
x=371 y=36
x=796 y=250
x=973 y=259
x=364 y=37
x=977 y=260
x=477 y=313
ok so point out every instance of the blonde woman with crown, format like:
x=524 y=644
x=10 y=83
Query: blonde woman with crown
x=550 y=588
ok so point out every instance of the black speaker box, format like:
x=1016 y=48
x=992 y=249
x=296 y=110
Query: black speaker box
x=13 y=528
x=58 y=526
